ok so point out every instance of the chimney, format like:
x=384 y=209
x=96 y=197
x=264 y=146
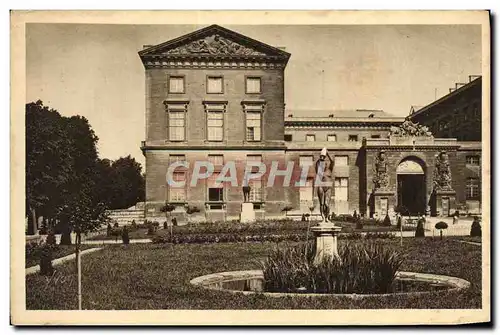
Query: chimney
x=290 y=115
x=331 y=115
x=281 y=48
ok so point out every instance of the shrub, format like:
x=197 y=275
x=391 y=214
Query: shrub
x=441 y=225
x=109 y=230
x=151 y=230
x=420 y=232
x=125 y=237
x=360 y=268
x=475 y=229
x=133 y=226
x=51 y=238
x=387 y=221
x=45 y=254
x=359 y=224
x=399 y=222
x=115 y=224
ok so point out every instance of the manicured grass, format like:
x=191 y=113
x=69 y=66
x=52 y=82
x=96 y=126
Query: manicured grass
x=156 y=276
x=58 y=252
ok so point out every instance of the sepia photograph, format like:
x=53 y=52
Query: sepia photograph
x=259 y=168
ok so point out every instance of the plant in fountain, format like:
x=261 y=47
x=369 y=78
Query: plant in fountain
x=361 y=268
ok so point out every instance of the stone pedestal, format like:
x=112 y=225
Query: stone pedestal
x=326 y=241
x=247 y=214
x=445 y=202
x=383 y=201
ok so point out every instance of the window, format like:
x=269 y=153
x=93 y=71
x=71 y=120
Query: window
x=214 y=84
x=353 y=138
x=215 y=192
x=253 y=85
x=253 y=126
x=341 y=160
x=472 y=160
x=331 y=138
x=341 y=189
x=176 y=158
x=310 y=138
x=176 y=84
x=306 y=192
x=255 y=190
x=216 y=160
x=306 y=160
x=375 y=136
x=175 y=193
x=288 y=137
x=472 y=188
x=215 y=125
x=176 y=125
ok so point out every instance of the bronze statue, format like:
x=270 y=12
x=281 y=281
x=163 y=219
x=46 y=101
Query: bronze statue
x=324 y=171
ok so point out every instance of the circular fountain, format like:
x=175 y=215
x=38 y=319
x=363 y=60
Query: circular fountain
x=252 y=282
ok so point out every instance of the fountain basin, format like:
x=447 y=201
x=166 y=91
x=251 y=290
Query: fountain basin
x=252 y=282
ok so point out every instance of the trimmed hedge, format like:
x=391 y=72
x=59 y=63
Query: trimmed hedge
x=233 y=238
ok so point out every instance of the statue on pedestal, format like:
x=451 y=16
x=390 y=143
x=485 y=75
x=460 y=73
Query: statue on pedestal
x=324 y=183
x=442 y=173
x=381 y=178
x=246 y=193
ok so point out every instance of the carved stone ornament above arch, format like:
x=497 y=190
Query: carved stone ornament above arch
x=409 y=166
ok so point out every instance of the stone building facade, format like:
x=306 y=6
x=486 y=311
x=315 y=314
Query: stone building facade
x=216 y=95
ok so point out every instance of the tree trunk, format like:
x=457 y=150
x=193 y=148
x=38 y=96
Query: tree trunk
x=32 y=227
x=78 y=269
x=441 y=233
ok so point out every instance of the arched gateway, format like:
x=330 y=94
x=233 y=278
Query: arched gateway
x=411 y=191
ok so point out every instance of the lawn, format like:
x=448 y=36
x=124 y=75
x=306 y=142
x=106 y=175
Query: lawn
x=156 y=276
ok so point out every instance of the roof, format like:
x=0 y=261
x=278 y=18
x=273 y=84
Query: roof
x=351 y=116
x=472 y=83
x=215 y=42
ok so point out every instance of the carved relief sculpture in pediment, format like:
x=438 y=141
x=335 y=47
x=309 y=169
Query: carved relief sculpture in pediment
x=409 y=128
x=442 y=173
x=214 y=45
x=381 y=178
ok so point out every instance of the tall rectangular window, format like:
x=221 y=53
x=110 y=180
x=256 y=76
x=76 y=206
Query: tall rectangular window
x=341 y=189
x=341 y=160
x=253 y=85
x=255 y=190
x=331 y=138
x=253 y=126
x=176 y=84
x=472 y=188
x=310 y=138
x=215 y=191
x=217 y=161
x=215 y=125
x=306 y=192
x=177 y=193
x=214 y=84
x=176 y=158
x=176 y=125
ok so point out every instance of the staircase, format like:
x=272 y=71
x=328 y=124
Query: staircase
x=125 y=216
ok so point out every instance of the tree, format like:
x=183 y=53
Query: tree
x=441 y=225
x=167 y=209
x=420 y=232
x=475 y=229
x=48 y=162
x=286 y=209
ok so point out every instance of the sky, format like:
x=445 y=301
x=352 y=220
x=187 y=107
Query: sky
x=94 y=70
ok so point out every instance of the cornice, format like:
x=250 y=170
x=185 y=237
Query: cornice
x=188 y=62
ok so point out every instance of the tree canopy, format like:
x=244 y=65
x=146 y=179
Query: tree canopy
x=66 y=182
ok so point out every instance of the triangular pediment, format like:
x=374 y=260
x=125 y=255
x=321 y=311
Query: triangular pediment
x=215 y=42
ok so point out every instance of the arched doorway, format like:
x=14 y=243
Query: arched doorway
x=411 y=186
